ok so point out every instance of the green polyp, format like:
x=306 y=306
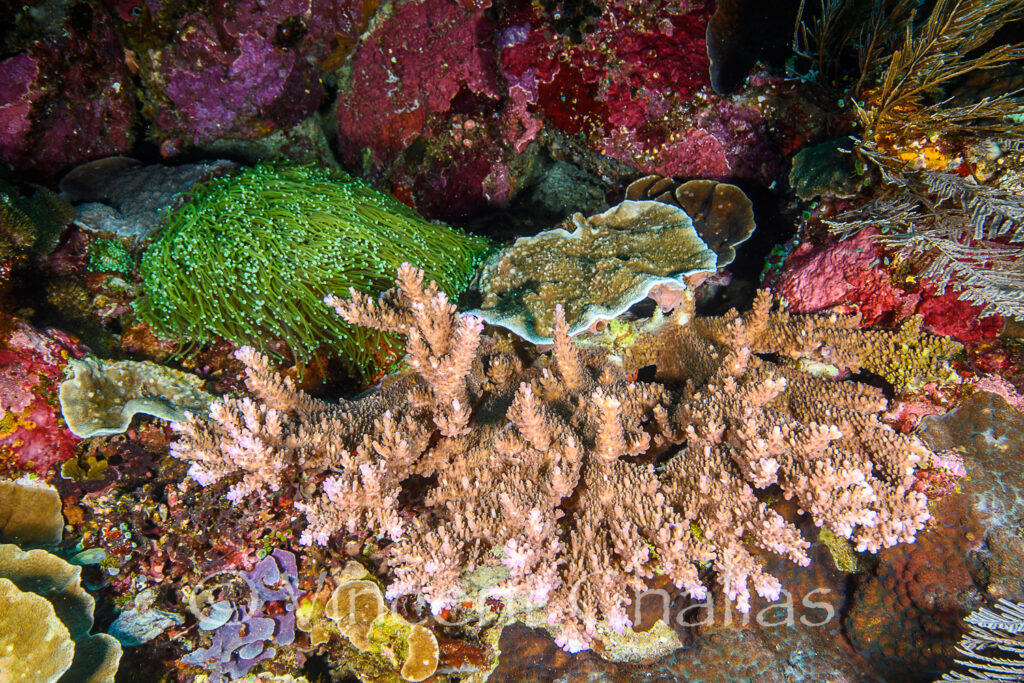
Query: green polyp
x=250 y=257
x=109 y=256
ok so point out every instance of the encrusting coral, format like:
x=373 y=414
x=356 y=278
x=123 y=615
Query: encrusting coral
x=565 y=476
x=101 y=397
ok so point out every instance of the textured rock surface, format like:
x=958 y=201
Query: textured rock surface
x=127 y=198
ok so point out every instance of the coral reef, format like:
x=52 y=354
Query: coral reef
x=251 y=255
x=67 y=94
x=596 y=272
x=101 y=397
x=551 y=465
x=534 y=480
x=33 y=435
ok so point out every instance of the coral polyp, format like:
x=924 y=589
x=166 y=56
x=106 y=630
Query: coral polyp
x=250 y=257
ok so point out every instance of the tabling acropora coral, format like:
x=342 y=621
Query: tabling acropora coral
x=250 y=257
x=526 y=451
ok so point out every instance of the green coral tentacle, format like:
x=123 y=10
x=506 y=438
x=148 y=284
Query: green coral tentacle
x=250 y=257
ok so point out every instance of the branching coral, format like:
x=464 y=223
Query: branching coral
x=251 y=255
x=565 y=475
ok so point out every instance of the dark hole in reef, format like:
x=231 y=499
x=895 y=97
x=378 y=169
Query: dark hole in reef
x=646 y=373
x=81 y=18
x=289 y=32
x=318 y=670
x=871 y=379
x=416 y=152
x=666 y=455
x=414 y=489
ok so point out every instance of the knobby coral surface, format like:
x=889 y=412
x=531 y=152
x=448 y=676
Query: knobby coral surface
x=572 y=481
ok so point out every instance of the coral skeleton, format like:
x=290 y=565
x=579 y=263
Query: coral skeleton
x=563 y=471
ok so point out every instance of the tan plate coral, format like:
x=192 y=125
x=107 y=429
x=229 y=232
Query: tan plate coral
x=45 y=622
x=34 y=644
x=596 y=272
x=29 y=514
x=722 y=214
x=358 y=611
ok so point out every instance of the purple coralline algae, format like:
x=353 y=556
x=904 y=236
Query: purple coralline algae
x=68 y=97
x=240 y=70
x=247 y=90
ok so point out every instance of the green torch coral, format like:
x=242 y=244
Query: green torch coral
x=250 y=257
